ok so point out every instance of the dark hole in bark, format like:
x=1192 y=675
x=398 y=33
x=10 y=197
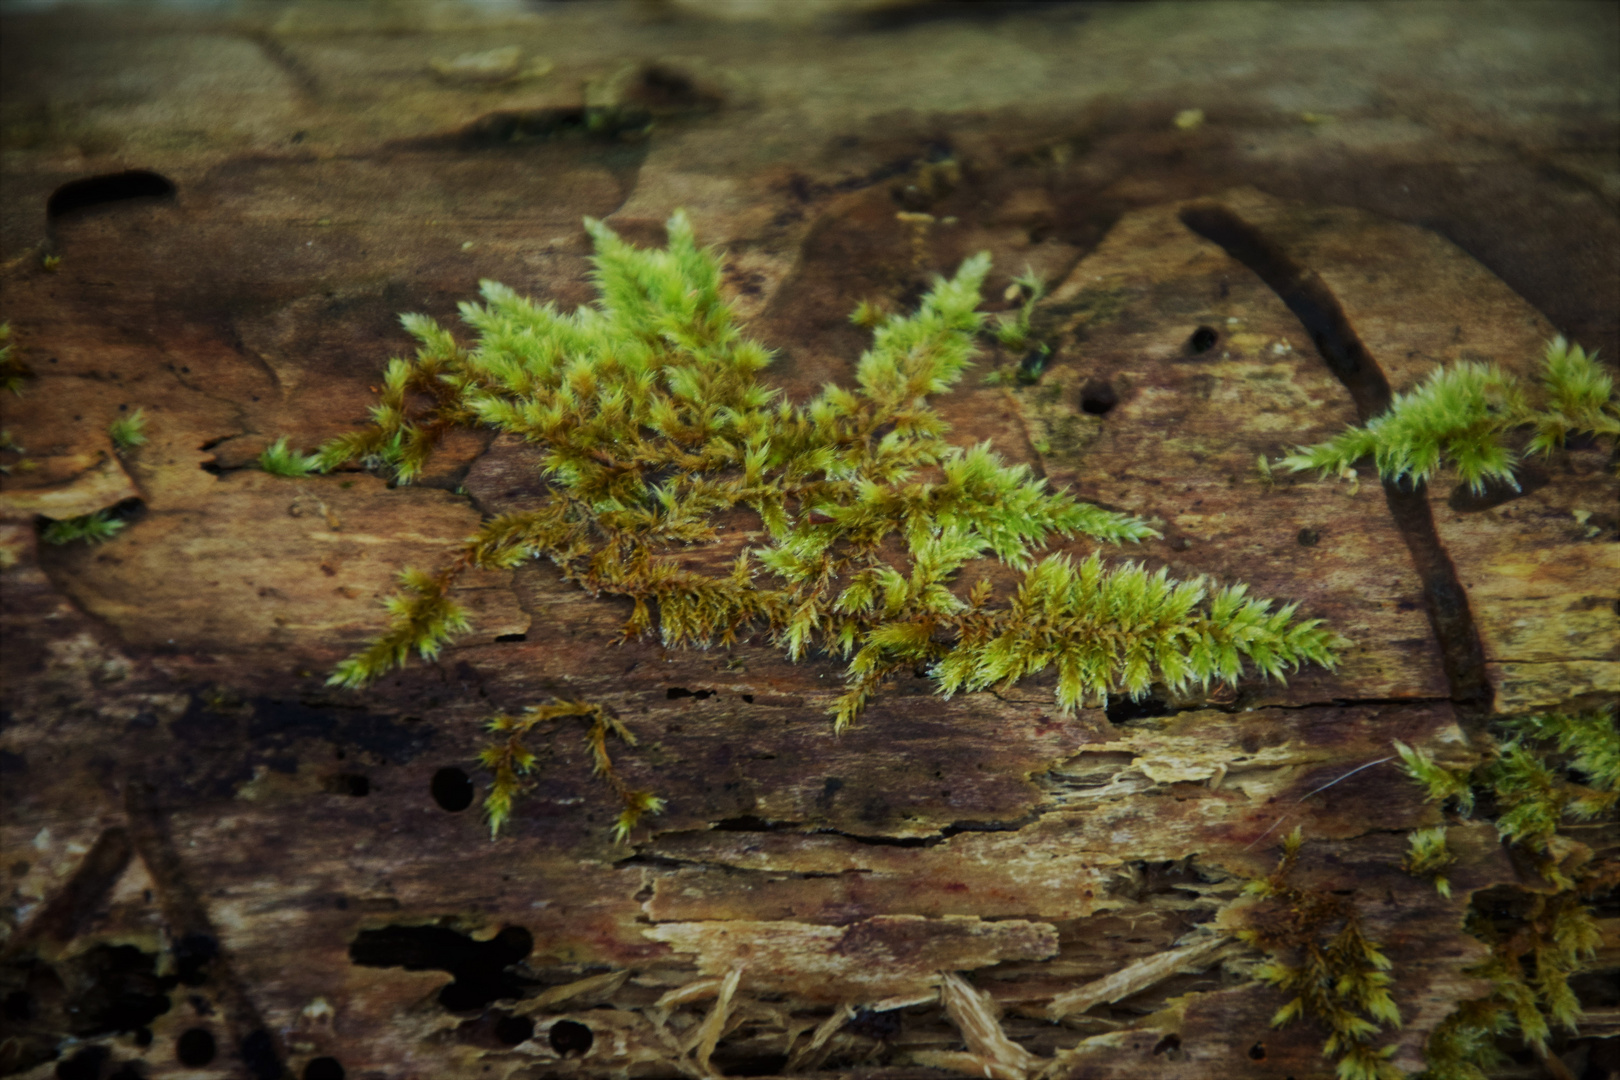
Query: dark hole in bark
x=107 y=188
x=324 y=1068
x=194 y=954
x=195 y=1048
x=745 y=823
x=1308 y=537
x=1122 y=710
x=480 y=967
x=452 y=789
x=511 y=637
x=1258 y=1051
x=570 y=1037
x=681 y=692
x=1098 y=398
x=764 y=1065
x=1203 y=339
x=85 y=1065
x=512 y=1030
x=1169 y=1044
x=123 y=991
x=348 y=784
x=258 y=1053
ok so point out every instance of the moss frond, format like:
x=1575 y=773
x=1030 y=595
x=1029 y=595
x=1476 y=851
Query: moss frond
x=1580 y=398
x=93 y=528
x=424 y=619
x=128 y=432
x=1341 y=980
x=1428 y=856
x=1464 y=413
x=1110 y=631
x=510 y=759
x=1012 y=329
x=13 y=372
x=277 y=460
x=1442 y=783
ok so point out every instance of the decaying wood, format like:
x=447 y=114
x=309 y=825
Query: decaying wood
x=983 y=886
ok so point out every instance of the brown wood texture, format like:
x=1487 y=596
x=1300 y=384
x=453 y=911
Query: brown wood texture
x=202 y=833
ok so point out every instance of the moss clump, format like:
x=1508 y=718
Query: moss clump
x=13 y=372
x=91 y=528
x=1465 y=413
x=1334 y=972
x=128 y=432
x=1539 y=774
x=653 y=425
x=656 y=434
x=278 y=460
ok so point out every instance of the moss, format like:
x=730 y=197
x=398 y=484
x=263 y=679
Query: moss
x=91 y=528
x=1464 y=414
x=652 y=423
x=509 y=758
x=1335 y=974
x=1538 y=776
x=128 y=432
x=13 y=372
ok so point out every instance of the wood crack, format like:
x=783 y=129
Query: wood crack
x=1319 y=311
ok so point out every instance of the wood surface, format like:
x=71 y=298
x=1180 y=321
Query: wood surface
x=981 y=886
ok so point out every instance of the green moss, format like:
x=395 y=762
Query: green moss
x=128 y=432
x=277 y=460
x=1333 y=972
x=1012 y=329
x=1429 y=856
x=1539 y=775
x=13 y=372
x=509 y=759
x=91 y=528
x=1464 y=413
x=652 y=424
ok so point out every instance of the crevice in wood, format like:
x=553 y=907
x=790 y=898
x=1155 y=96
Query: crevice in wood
x=193 y=939
x=1318 y=310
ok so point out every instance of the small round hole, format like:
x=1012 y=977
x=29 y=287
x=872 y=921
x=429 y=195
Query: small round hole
x=452 y=789
x=1308 y=537
x=324 y=1068
x=1203 y=339
x=1258 y=1051
x=195 y=1048
x=512 y=1030
x=515 y=943
x=1098 y=398
x=570 y=1037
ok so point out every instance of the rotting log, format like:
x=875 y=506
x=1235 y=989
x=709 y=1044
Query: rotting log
x=198 y=831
